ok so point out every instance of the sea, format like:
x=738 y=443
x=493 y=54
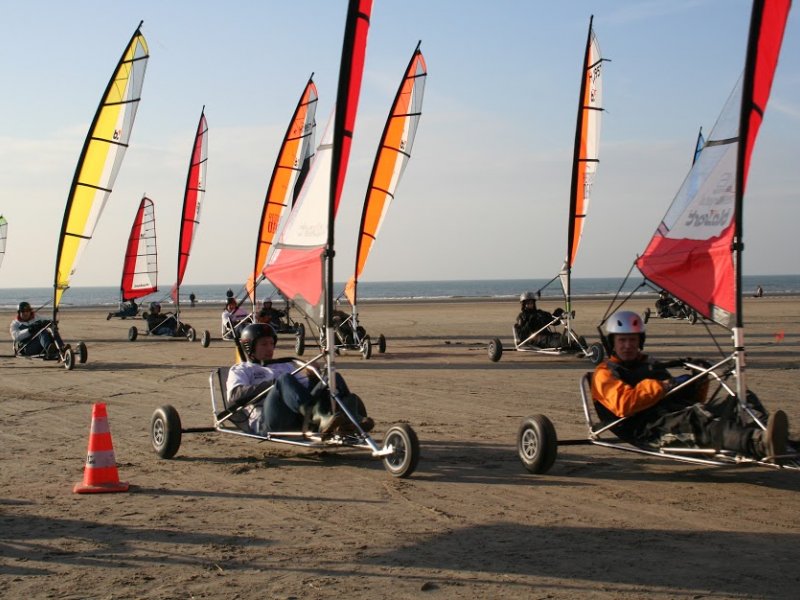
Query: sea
x=497 y=289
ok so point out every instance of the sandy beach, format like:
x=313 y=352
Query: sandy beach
x=234 y=518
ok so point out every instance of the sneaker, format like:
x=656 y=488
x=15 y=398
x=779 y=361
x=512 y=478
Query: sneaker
x=332 y=423
x=51 y=353
x=108 y=318
x=367 y=424
x=776 y=436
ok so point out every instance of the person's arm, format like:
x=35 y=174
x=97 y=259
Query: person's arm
x=19 y=331
x=242 y=394
x=622 y=399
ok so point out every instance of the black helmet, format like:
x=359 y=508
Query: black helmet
x=252 y=333
x=155 y=305
x=23 y=306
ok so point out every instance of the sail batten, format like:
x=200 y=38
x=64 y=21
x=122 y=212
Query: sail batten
x=100 y=160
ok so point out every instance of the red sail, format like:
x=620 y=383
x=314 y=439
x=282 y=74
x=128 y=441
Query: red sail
x=192 y=199
x=695 y=252
x=140 y=270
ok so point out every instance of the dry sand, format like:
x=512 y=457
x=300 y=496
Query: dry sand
x=235 y=518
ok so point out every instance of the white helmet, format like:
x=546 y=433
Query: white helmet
x=624 y=321
x=525 y=296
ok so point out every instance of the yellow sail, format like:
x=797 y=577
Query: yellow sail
x=100 y=159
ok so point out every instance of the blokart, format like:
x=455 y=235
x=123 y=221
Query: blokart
x=555 y=338
x=669 y=307
x=399 y=452
x=180 y=329
x=63 y=352
x=349 y=335
x=281 y=322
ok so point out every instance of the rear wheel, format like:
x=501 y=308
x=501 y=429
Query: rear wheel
x=69 y=359
x=595 y=353
x=165 y=431
x=83 y=353
x=495 y=350
x=381 y=344
x=191 y=334
x=133 y=333
x=692 y=316
x=205 y=339
x=366 y=347
x=405 y=450
x=300 y=341
x=646 y=314
x=301 y=331
x=537 y=444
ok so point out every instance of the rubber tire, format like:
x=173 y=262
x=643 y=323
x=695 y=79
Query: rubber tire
x=300 y=341
x=69 y=359
x=406 y=457
x=366 y=348
x=596 y=353
x=83 y=353
x=205 y=339
x=692 y=316
x=133 y=333
x=300 y=330
x=165 y=431
x=191 y=334
x=381 y=344
x=537 y=444
x=646 y=317
x=495 y=350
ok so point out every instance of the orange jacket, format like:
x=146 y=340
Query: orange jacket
x=621 y=398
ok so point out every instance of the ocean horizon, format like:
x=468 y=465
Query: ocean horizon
x=499 y=289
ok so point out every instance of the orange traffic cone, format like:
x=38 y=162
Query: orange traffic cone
x=100 y=474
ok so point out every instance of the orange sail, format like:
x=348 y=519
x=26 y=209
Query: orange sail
x=394 y=151
x=287 y=176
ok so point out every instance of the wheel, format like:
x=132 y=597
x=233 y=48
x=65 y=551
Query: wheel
x=692 y=317
x=495 y=350
x=366 y=347
x=83 y=353
x=405 y=450
x=300 y=330
x=537 y=445
x=191 y=334
x=300 y=340
x=205 y=339
x=165 y=431
x=133 y=333
x=69 y=359
x=596 y=353
x=381 y=344
x=646 y=314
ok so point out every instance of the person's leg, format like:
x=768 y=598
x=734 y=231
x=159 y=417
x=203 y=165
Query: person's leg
x=279 y=412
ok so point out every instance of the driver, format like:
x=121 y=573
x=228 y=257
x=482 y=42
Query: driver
x=232 y=317
x=24 y=329
x=159 y=324
x=630 y=384
x=531 y=319
x=294 y=401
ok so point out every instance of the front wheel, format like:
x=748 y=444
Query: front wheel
x=537 y=444
x=69 y=359
x=381 y=344
x=205 y=339
x=646 y=314
x=133 y=333
x=300 y=341
x=83 y=353
x=495 y=350
x=366 y=347
x=595 y=353
x=165 y=431
x=403 y=441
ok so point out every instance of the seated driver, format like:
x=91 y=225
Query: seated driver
x=29 y=334
x=232 y=316
x=630 y=384
x=127 y=308
x=268 y=314
x=531 y=319
x=294 y=401
x=160 y=324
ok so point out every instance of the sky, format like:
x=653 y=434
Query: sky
x=486 y=192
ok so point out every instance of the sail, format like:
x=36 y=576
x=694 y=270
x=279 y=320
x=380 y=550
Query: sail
x=297 y=266
x=3 y=237
x=100 y=160
x=586 y=151
x=294 y=158
x=393 y=154
x=695 y=253
x=698 y=147
x=192 y=200
x=140 y=270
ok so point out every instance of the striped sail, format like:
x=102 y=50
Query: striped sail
x=100 y=160
x=393 y=154
x=3 y=237
x=140 y=270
